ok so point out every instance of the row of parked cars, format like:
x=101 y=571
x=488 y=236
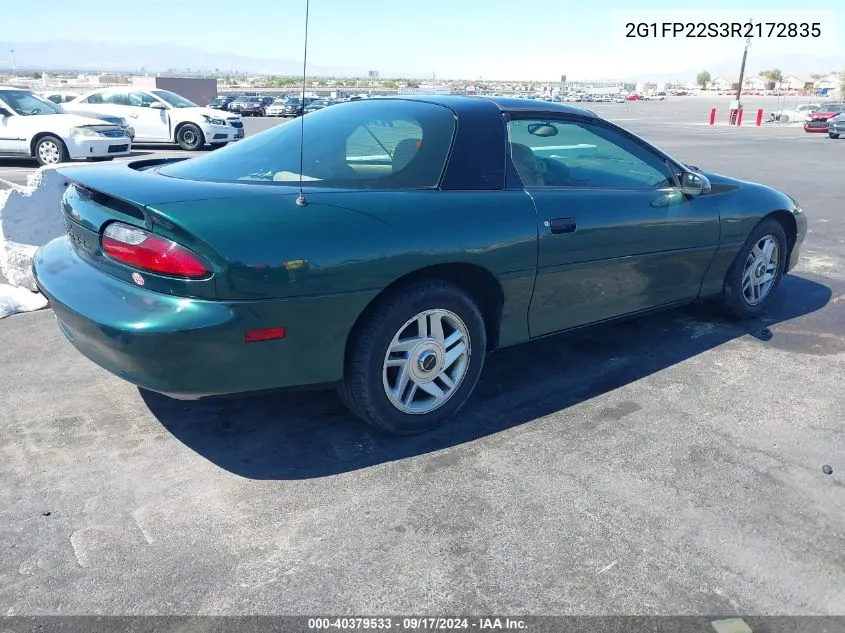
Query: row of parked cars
x=103 y=124
x=818 y=118
x=266 y=105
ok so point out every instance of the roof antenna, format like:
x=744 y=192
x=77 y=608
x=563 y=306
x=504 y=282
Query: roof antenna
x=300 y=200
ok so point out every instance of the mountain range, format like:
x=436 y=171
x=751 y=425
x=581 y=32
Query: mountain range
x=110 y=57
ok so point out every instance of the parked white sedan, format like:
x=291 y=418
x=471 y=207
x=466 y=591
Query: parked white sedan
x=277 y=108
x=161 y=116
x=32 y=126
x=795 y=113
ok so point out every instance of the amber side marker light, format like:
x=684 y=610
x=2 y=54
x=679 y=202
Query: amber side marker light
x=270 y=334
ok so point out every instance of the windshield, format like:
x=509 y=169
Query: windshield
x=26 y=103
x=173 y=99
x=378 y=144
x=292 y=101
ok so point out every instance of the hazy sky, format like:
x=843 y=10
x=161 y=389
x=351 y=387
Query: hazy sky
x=466 y=38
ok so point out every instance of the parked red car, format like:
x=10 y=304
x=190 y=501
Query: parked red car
x=817 y=121
x=633 y=97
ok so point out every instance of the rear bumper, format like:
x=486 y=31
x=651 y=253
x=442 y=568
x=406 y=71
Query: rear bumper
x=191 y=348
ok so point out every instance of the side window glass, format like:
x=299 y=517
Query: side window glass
x=574 y=154
x=140 y=100
x=96 y=98
x=376 y=141
x=399 y=148
x=114 y=97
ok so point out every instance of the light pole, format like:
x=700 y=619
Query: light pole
x=12 y=54
x=742 y=67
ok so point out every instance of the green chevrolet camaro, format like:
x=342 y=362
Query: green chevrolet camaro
x=386 y=246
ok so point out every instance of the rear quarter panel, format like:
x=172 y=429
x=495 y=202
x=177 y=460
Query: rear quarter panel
x=360 y=241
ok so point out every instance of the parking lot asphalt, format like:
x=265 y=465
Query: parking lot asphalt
x=670 y=465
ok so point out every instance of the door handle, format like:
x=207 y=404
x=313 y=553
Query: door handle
x=561 y=225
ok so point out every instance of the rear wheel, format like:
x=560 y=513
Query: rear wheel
x=756 y=272
x=51 y=150
x=416 y=360
x=190 y=137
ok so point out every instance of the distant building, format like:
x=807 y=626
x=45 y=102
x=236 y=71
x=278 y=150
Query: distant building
x=796 y=82
x=200 y=91
x=113 y=80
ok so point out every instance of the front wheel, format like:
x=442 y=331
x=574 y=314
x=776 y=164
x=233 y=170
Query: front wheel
x=416 y=359
x=190 y=137
x=756 y=272
x=51 y=150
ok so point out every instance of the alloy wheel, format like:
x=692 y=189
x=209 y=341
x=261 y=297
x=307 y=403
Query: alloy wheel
x=426 y=361
x=761 y=270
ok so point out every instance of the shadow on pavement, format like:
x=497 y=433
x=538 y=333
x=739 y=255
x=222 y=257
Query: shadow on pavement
x=301 y=435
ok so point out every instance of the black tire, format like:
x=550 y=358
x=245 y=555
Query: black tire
x=101 y=159
x=50 y=150
x=363 y=386
x=735 y=303
x=261 y=113
x=831 y=135
x=190 y=137
x=783 y=118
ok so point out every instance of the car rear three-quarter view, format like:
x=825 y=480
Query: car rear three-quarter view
x=387 y=245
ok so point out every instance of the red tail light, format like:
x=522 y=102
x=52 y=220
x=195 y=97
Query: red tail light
x=141 y=249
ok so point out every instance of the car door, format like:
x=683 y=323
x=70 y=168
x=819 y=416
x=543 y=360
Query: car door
x=152 y=124
x=12 y=135
x=13 y=130
x=616 y=235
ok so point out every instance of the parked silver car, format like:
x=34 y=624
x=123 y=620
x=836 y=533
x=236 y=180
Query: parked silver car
x=836 y=125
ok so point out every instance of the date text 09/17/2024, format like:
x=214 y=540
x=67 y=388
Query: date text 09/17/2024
x=778 y=30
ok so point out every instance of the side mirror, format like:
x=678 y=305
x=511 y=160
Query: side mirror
x=158 y=106
x=4 y=112
x=694 y=184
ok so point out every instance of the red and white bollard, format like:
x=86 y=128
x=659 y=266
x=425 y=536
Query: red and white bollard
x=712 y=116
x=759 y=117
x=739 y=118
